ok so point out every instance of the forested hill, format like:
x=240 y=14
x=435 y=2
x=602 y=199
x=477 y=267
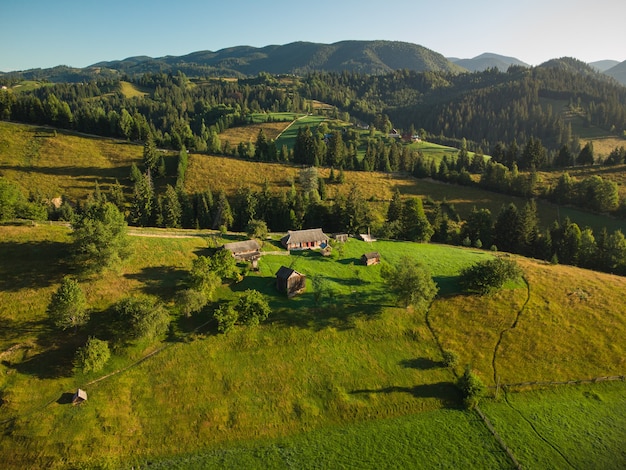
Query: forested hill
x=485 y=107
x=368 y=57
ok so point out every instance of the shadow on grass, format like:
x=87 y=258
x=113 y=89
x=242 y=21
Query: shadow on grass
x=53 y=363
x=447 y=284
x=421 y=363
x=32 y=265
x=161 y=281
x=65 y=399
x=447 y=392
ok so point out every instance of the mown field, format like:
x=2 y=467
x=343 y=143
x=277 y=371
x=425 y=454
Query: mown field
x=330 y=380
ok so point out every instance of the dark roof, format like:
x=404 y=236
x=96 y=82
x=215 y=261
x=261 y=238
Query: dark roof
x=372 y=255
x=243 y=246
x=285 y=273
x=304 y=236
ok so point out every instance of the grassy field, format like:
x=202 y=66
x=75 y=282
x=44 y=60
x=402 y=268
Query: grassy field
x=564 y=427
x=56 y=163
x=348 y=375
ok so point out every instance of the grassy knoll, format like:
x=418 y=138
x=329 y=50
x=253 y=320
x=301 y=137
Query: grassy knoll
x=571 y=327
x=249 y=133
x=56 y=163
x=329 y=379
x=130 y=90
x=288 y=136
x=580 y=426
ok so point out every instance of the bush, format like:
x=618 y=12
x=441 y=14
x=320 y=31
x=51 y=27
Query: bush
x=450 y=358
x=190 y=301
x=144 y=317
x=487 y=276
x=93 y=356
x=249 y=309
x=472 y=388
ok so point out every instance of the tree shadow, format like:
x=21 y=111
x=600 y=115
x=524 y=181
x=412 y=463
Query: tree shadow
x=33 y=265
x=161 y=281
x=448 y=393
x=421 y=363
x=53 y=363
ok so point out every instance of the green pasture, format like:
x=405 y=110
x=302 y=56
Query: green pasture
x=259 y=118
x=581 y=426
x=288 y=137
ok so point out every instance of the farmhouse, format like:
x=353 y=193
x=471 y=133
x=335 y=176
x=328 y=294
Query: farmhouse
x=290 y=281
x=247 y=250
x=79 y=397
x=305 y=239
x=368 y=259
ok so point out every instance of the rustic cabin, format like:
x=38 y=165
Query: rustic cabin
x=79 y=397
x=366 y=237
x=341 y=237
x=247 y=250
x=368 y=259
x=305 y=239
x=289 y=281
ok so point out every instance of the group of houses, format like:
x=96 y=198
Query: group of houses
x=290 y=281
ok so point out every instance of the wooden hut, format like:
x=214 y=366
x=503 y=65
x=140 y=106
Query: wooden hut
x=245 y=250
x=368 y=259
x=289 y=281
x=305 y=239
x=79 y=397
x=341 y=237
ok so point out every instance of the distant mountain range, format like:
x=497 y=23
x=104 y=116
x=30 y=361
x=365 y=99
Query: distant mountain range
x=486 y=61
x=368 y=57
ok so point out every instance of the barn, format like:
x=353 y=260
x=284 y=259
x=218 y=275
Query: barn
x=247 y=250
x=290 y=281
x=368 y=259
x=305 y=239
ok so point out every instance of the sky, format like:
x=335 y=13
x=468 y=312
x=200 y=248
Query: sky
x=77 y=33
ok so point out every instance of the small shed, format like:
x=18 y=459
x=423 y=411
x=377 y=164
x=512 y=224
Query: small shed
x=368 y=259
x=290 y=281
x=79 y=397
x=341 y=237
x=366 y=237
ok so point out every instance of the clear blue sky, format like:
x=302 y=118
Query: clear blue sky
x=45 y=33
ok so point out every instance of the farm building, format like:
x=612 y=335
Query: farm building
x=246 y=250
x=305 y=239
x=79 y=397
x=290 y=281
x=366 y=237
x=368 y=259
x=341 y=237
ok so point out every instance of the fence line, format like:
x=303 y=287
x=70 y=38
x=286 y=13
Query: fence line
x=492 y=430
x=609 y=378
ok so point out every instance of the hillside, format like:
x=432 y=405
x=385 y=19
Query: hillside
x=489 y=60
x=349 y=360
x=368 y=57
x=618 y=72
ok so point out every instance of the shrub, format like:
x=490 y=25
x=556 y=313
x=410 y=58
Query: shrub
x=144 y=317
x=93 y=356
x=487 y=276
x=450 y=358
x=472 y=388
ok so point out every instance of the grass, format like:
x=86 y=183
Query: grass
x=130 y=90
x=564 y=427
x=55 y=162
x=351 y=376
x=577 y=306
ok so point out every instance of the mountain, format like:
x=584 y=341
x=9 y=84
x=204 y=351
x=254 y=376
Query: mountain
x=367 y=57
x=488 y=60
x=618 y=72
x=370 y=57
x=604 y=65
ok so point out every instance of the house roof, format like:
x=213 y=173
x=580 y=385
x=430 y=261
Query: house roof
x=243 y=246
x=372 y=255
x=285 y=273
x=304 y=236
x=80 y=395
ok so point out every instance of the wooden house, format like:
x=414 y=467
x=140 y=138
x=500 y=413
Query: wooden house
x=341 y=237
x=289 y=281
x=79 y=397
x=305 y=239
x=368 y=259
x=247 y=250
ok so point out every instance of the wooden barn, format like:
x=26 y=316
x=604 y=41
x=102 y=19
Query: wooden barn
x=305 y=239
x=341 y=237
x=289 y=281
x=245 y=250
x=368 y=259
x=79 y=397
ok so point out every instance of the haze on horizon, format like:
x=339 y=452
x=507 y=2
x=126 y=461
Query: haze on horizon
x=39 y=34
